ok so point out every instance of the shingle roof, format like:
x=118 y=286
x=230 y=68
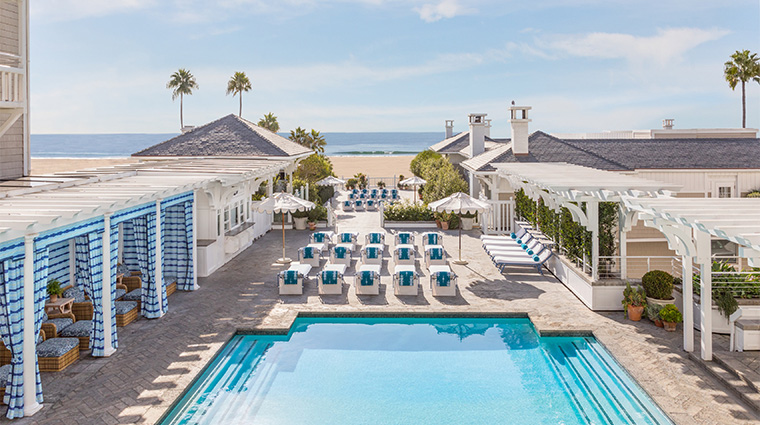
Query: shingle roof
x=460 y=143
x=229 y=136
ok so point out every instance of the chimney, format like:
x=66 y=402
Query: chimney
x=488 y=127
x=519 y=120
x=477 y=134
x=449 y=128
x=667 y=124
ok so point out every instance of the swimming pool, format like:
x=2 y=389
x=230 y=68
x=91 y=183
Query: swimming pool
x=414 y=371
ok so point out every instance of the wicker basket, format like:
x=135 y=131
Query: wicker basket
x=84 y=343
x=82 y=311
x=171 y=288
x=57 y=364
x=126 y=318
x=5 y=355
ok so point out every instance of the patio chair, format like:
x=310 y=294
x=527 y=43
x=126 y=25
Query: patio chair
x=404 y=238
x=309 y=255
x=375 y=238
x=435 y=256
x=54 y=323
x=352 y=196
x=321 y=237
x=341 y=255
x=406 y=282
x=371 y=205
x=82 y=307
x=367 y=280
x=431 y=238
x=132 y=280
x=348 y=237
x=134 y=296
x=523 y=260
x=81 y=331
x=443 y=283
x=330 y=281
x=358 y=205
x=372 y=255
x=403 y=255
x=531 y=247
x=348 y=206
x=290 y=282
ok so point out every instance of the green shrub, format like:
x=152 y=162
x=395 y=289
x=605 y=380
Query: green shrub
x=725 y=301
x=325 y=193
x=352 y=183
x=743 y=285
x=314 y=168
x=407 y=212
x=633 y=296
x=420 y=161
x=658 y=284
x=754 y=194
x=653 y=311
x=670 y=313
x=318 y=213
x=442 y=180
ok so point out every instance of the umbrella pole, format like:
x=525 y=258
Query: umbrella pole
x=283 y=260
x=460 y=261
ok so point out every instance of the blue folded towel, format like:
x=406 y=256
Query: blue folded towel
x=436 y=254
x=375 y=238
x=406 y=278
x=318 y=237
x=330 y=277
x=404 y=253
x=346 y=237
x=340 y=251
x=442 y=278
x=366 y=278
x=404 y=238
x=372 y=252
x=432 y=239
x=290 y=277
x=308 y=252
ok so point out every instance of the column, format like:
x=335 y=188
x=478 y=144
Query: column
x=108 y=281
x=270 y=186
x=30 y=337
x=72 y=262
x=623 y=247
x=704 y=259
x=195 y=242
x=592 y=213
x=159 y=273
x=688 y=304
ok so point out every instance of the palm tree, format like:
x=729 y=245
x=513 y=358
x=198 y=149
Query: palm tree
x=299 y=136
x=237 y=85
x=743 y=67
x=316 y=141
x=183 y=83
x=269 y=121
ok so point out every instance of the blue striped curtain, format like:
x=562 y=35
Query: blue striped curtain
x=58 y=267
x=95 y=291
x=82 y=263
x=186 y=284
x=114 y=260
x=12 y=331
x=41 y=258
x=129 y=255
x=160 y=279
x=145 y=238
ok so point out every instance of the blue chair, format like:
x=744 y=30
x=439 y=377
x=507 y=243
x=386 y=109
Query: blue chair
x=443 y=284
x=348 y=206
x=434 y=256
x=367 y=282
x=330 y=282
x=340 y=255
x=406 y=282
x=375 y=238
x=404 y=238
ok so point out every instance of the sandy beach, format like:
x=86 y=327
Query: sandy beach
x=344 y=166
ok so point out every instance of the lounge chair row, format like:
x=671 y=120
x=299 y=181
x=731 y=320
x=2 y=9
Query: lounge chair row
x=342 y=253
x=520 y=249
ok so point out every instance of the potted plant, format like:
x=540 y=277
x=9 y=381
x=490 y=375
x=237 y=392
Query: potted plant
x=444 y=217
x=351 y=183
x=658 y=286
x=653 y=313
x=316 y=214
x=634 y=301
x=468 y=220
x=400 y=179
x=54 y=289
x=381 y=184
x=300 y=218
x=419 y=191
x=670 y=317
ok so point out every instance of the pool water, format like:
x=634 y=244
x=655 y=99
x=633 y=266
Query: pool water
x=414 y=371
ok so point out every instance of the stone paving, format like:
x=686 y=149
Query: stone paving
x=158 y=359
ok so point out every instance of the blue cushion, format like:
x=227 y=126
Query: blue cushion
x=405 y=238
x=290 y=277
x=406 y=278
x=75 y=293
x=80 y=328
x=366 y=278
x=524 y=246
x=120 y=293
x=123 y=307
x=5 y=374
x=60 y=324
x=122 y=269
x=340 y=252
x=436 y=254
x=375 y=238
x=519 y=241
x=384 y=195
x=370 y=203
x=535 y=258
x=318 y=237
x=513 y=235
x=134 y=295
x=404 y=253
x=530 y=252
x=56 y=347
x=330 y=277
x=442 y=278
x=372 y=252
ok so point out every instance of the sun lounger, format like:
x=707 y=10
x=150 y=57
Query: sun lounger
x=375 y=238
x=371 y=205
x=537 y=261
x=367 y=280
x=341 y=254
x=372 y=254
x=330 y=280
x=514 y=235
x=348 y=206
x=310 y=255
x=431 y=238
x=406 y=280
x=531 y=247
x=291 y=280
x=434 y=255
x=404 y=238
x=351 y=196
x=404 y=254
x=351 y=238
x=358 y=205
x=443 y=282
x=322 y=238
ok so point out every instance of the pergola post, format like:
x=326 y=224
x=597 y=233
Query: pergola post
x=592 y=213
x=195 y=242
x=704 y=258
x=688 y=303
x=159 y=272
x=31 y=406
x=107 y=284
x=623 y=245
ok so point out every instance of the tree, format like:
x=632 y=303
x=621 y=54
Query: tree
x=314 y=168
x=269 y=121
x=743 y=67
x=183 y=83
x=238 y=84
x=299 y=136
x=419 y=162
x=312 y=140
x=442 y=180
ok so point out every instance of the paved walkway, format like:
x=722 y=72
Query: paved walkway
x=158 y=359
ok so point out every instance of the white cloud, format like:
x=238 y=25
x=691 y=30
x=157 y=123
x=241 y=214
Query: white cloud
x=664 y=47
x=431 y=12
x=62 y=10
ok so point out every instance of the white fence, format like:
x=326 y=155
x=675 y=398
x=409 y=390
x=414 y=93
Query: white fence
x=501 y=218
x=12 y=84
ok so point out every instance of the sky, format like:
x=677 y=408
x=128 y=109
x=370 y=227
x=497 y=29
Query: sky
x=101 y=66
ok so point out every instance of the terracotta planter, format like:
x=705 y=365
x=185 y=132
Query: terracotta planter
x=438 y=223
x=635 y=312
x=670 y=326
x=445 y=225
x=54 y=298
x=312 y=225
x=658 y=323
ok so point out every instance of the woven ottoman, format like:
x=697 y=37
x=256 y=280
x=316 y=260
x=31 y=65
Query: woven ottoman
x=80 y=330
x=126 y=312
x=56 y=354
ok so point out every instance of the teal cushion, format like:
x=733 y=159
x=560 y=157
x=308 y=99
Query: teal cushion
x=340 y=252
x=535 y=258
x=330 y=277
x=346 y=237
x=375 y=238
x=56 y=347
x=366 y=278
x=436 y=254
x=123 y=307
x=80 y=328
x=404 y=253
x=406 y=278
x=432 y=239
x=290 y=277
x=318 y=237
x=405 y=238
x=442 y=278
x=308 y=252
x=372 y=252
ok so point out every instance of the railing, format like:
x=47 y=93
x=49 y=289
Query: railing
x=390 y=182
x=12 y=86
x=500 y=219
x=633 y=267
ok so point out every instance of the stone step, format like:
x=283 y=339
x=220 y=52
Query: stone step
x=732 y=383
x=738 y=369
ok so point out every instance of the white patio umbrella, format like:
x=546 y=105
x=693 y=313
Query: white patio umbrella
x=331 y=181
x=414 y=180
x=283 y=202
x=459 y=203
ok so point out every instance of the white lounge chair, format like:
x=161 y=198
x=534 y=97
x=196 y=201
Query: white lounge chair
x=406 y=280
x=375 y=238
x=404 y=254
x=341 y=254
x=367 y=280
x=435 y=256
x=404 y=238
x=431 y=238
x=443 y=282
x=370 y=205
x=330 y=280
x=348 y=206
x=291 y=281
x=372 y=254
x=310 y=255
x=523 y=260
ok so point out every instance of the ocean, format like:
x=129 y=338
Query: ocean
x=122 y=145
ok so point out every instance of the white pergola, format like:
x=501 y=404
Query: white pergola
x=567 y=185
x=688 y=224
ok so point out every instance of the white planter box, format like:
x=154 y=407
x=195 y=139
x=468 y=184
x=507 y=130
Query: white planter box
x=300 y=222
x=411 y=224
x=467 y=223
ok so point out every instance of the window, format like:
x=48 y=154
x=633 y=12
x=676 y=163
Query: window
x=234 y=214
x=218 y=223
x=724 y=191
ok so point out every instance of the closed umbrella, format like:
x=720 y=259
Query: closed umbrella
x=415 y=181
x=459 y=203
x=283 y=203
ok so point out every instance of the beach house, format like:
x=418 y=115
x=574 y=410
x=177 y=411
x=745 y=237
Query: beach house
x=14 y=90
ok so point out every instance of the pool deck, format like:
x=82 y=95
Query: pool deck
x=158 y=359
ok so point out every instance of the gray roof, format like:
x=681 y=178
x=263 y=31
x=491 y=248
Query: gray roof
x=629 y=154
x=459 y=143
x=230 y=136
